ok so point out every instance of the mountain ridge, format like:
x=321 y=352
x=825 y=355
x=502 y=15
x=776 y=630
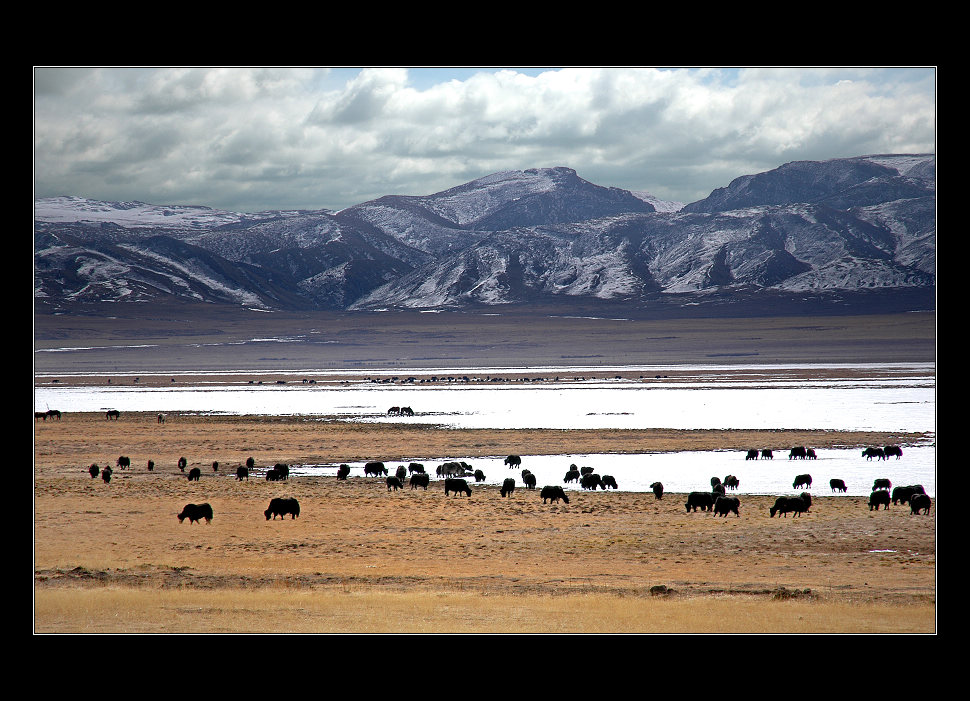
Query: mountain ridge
x=808 y=229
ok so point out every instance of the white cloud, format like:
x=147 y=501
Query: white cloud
x=261 y=138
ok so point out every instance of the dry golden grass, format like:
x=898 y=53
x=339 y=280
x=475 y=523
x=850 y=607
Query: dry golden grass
x=354 y=611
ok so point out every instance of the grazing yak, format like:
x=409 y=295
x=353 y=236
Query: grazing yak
x=699 y=500
x=508 y=486
x=571 y=476
x=124 y=462
x=591 y=482
x=457 y=486
x=420 y=479
x=281 y=506
x=796 y=505
x=106 y=474
x=479 y=476
x=401 y=473
x=837 y=485
x=553 y=493
x=183 y=463
x=112 y=414
x=906 y=494
x=242 y=473
x=513 y=461
x=766 y=454
x=608 y=481
x=882 y=483
x=718 y=490
x=798 y=452
x=878 y=496
x=810 y=454
x=343 y=471
x=920 y=503
x=870 y=453
x=752 y=455
x=374 y=468
x=194 y=474
x=195 y=512
x=250 y=463
x=273 y=475
x=94 y=470
x=802 y=481
x=528 y=479
x=394 y=482
x=731 y=482
x=658 y=490
x=283 y=470
x=892 y=450
x=725 y=505
x=415 y=467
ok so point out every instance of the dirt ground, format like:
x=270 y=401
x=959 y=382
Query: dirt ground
x=356 y=533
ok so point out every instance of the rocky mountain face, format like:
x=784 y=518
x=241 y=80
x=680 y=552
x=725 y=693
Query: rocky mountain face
x=859 y=228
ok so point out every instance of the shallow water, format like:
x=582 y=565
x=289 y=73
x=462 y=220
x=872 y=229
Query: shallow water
x=883 y=398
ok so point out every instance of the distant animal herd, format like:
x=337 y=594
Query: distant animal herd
x=455 y=475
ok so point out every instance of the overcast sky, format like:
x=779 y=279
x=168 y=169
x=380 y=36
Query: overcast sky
x=250 y=139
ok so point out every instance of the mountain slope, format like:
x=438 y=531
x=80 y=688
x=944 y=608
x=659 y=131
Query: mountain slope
x=803 y=230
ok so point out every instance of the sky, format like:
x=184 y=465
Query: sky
x=249 y=139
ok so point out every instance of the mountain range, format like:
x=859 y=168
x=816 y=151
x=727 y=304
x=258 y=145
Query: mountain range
x=857 y=232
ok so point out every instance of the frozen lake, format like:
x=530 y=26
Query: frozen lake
x=864 y=398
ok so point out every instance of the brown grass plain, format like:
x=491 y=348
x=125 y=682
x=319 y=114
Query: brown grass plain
x=112 y=558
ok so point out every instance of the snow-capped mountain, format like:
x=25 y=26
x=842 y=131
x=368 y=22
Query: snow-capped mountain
x=805 y=229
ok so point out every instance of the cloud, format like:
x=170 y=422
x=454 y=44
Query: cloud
x=266 y=138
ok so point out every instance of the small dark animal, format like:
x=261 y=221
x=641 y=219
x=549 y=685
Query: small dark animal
x=528 y=479
x=797 y=452
x=273 y=475
x=837 y=485
x=879 y=496
x=586 y=470
x=394 y=482
x=112 y=414
x=906 y=494
x=752 y=455
x=658 y=490
x=106 y=474
x=183 y=463
x=242 y=473
x=401 y=473
x=374 y=468
x=194 y=474
x=124 y=462
x=94 y=470
x=553 y=493
x=151 y=465
x=699 y=500
x=725 y=505
x=40 y=415
x=802 y=481
x=889 y=450
x=920 y=503
x=571 y=476
x=281 y=506
x=420 y=479
x=591 y=482
x=731 y=482
x=810 y=454
x=415 y=467
x=513 y=461
x=608 y=481
x=715 y=481
x=767 y=455
x=215 y=465
x=508 y=486
x=407 y=411
x=479 y=476
x=718 y=490
x=250 y=463
x=283 y=470
x=161 y=418
x=870 y=453
x=882 y=483
x=394 y=411
x=195 y=512
x=456 y=486
x=53 y=414
x=343 y=471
